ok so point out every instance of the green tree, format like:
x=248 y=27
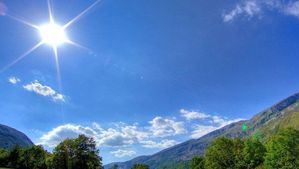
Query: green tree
x=3 y=157
x=140 y=166
x=13 y=159
x=76 y=153
x=220 y=154
x=197 y=163
x=33 y=158
x=253 y=153
x=283 y=150
x=237 y=148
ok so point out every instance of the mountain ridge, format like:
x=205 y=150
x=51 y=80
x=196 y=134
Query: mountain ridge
x=10 y=137
x=263 y=123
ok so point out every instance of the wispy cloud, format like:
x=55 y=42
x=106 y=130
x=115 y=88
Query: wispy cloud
x=14 y=80
x=212 y=119
x=160 y=145
x=251 y=8
x=123 y=153
x=44 y=90
x=205 y=123
x=201 y=130
x=192 y=115
x=292 y=8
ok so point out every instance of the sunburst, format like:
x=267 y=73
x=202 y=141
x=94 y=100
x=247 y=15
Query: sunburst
x=51 y=34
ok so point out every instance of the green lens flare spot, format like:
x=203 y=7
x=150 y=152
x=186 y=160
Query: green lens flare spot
x=244 y=127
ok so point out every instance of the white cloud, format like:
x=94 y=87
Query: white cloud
x=14 y=80
x=212 y=119
x=201 y=130
x=44 y=90
x=115 y=137
x=123 y=153
x=250 y=8
x=160 y=145
x=58 y=134
x=192 y=115
x=122 y=135
x=163 y=127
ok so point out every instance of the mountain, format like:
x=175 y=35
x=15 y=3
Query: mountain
x=10 y=137
x=283 y=114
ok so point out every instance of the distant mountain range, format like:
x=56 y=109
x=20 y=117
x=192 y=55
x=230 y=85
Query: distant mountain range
x=10 y=137
x=282 y=115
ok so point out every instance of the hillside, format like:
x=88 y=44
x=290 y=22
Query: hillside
x=10 y=137
x=282 y=115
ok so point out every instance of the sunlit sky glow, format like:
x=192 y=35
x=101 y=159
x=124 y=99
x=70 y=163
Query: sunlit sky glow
x=140 y=76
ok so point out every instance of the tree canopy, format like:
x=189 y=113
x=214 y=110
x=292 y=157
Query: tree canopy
x=78 y=153
x=281 y=151
x=140 y=166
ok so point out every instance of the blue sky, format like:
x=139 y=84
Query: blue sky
x=156 y=73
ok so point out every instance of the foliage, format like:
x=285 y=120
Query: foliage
x=253 y=153
x=76 y=154
x=33 y=158
x=235 y=153
x=140 y=166
x=79 y=153
x=3 y=157
x=197 y=163
x=220 y=154
x=13 y=158
x=283 y=150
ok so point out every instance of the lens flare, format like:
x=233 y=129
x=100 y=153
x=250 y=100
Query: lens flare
x=3 y=9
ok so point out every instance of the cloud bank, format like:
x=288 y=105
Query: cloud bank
x=159 y=133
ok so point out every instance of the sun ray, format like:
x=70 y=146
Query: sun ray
x=21 y=57
x=21 y=21
x=81 y=14
x=50 y=10
x=78 y=45
x=57 y=67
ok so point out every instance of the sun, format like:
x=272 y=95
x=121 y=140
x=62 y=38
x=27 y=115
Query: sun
x=53 y=34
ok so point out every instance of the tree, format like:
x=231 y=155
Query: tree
x=197 y=163
x=140 y=166
x=3 y=157
x=220 y=154
x=33 y=158
x=237 y=148
x=253 y=153
x=13 y=158
x=76 y=154
x=283 y=150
